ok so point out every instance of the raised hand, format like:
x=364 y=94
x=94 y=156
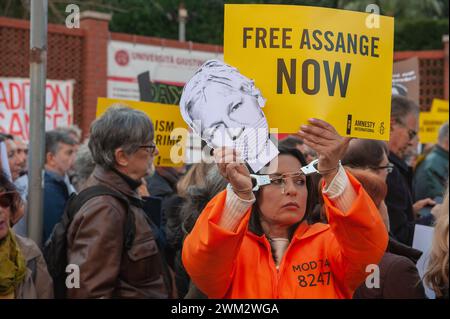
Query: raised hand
x=234 y=171
x=329 y=145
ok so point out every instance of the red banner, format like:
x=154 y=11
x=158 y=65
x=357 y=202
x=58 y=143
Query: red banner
x=15 y=105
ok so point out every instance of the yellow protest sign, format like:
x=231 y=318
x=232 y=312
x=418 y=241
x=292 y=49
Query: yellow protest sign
x=315 y=62
x=430 y=122
x=439 y=106
x=170 y=128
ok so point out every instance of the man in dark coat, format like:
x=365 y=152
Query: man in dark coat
x=59 y=158
x=399 y=200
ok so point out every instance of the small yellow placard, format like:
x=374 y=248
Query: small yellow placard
x=430 y=122
x=170 y=128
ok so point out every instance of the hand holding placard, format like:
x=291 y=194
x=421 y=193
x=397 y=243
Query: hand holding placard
x=329 y=145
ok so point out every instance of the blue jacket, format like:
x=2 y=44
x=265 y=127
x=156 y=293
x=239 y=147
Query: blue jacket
x=56 y=195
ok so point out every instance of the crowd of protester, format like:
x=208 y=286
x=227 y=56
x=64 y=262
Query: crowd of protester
x=201 y=231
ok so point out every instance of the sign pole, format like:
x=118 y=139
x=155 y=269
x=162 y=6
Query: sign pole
x=38 y=69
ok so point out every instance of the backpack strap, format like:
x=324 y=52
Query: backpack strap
x=101 y=190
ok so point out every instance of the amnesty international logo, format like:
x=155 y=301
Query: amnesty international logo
x=349 y=124
x=381 y=129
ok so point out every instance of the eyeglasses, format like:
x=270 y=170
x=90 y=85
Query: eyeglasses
x=278 y=180
x=411 y=133
x=389 y=167
x=151 y=147
x=10 y=199
x=298 y=179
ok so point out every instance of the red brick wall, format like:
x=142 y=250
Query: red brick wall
x=433 y=78
x=64 y=55
x=95 y=67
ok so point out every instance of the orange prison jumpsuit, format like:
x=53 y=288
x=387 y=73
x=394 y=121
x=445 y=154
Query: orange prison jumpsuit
x=321 y=261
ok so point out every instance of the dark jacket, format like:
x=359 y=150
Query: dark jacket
x=399 y=277
x=431 y=175
x=173 y=230
x=399 y=201
x=95 y=243
x=162 y=184
x=56 y=195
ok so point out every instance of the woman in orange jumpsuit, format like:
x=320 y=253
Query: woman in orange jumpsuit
x=249 y=244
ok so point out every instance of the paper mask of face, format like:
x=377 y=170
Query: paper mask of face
x=224 y=108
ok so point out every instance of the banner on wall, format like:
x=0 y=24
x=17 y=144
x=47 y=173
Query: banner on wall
x=315 y=62
x=15 y=105
x=151 y=73
x=405 y=79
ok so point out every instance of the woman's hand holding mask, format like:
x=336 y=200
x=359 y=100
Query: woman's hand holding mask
x=232 y=168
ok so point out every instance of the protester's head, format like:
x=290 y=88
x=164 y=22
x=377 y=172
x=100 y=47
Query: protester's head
x=74 y=132
x=194 y=176
x=443 y=136
x=404 y=125
x=224 y=107
x=14 y=160
x=295 y=142
x=59 y=152
x=412 y=152
x=84 y=165
x=436 y=276
x=369 y=155
x=122 y=139
x=376 y=188
x=198 y=197
x=22 y=152
x=290 y=197
x=11 y=205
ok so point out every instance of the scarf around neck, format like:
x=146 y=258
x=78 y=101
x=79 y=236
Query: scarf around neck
x=12 y=264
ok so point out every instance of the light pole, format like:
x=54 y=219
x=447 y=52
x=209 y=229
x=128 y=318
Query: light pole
x=38 y=74
x=182 y=19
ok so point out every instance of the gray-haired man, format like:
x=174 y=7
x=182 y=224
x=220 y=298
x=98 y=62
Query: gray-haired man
x=403 y=212
x=121 y=142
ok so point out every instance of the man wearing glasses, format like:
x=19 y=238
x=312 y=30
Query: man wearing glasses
x=113 y=265
x=399 y=200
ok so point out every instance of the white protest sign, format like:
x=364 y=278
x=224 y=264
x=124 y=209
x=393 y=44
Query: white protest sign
x=423 y=237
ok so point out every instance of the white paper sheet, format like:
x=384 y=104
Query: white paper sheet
x=423 y=237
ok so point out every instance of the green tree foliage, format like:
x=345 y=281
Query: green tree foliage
x=420 y=34
x=419 y=24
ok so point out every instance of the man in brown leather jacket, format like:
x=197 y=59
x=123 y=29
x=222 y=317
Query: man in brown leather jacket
x=121 y=142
